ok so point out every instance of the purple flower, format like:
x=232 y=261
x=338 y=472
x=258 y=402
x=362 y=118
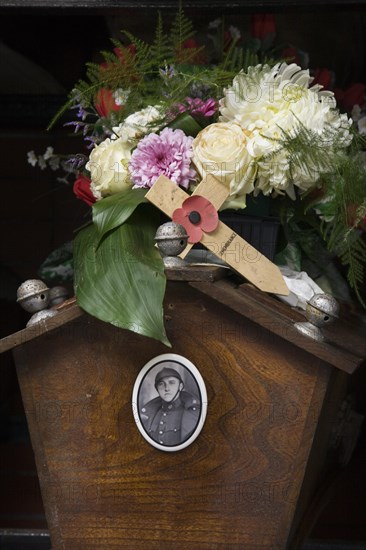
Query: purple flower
x=77 y=125
x=196 y=106
x=168 y=154
x=77 y=161
x=167 y=72
x=81 y=112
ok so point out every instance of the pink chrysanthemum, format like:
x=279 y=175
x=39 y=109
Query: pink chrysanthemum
x=168 y=154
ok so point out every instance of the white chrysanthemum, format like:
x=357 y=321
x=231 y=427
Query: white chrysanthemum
x=274 y=102
x=138 y=124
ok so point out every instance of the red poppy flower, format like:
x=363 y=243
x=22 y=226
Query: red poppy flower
x=82 y=190
x=196 y=215
x=105 y=103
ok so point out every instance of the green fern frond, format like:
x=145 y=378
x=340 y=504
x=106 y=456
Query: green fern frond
x=142 y=48
x=334 y=235
x=360 y=213
x=238 y=59
x=181 y=30
x=307 y=151
x=352 y=253
x=160 y=49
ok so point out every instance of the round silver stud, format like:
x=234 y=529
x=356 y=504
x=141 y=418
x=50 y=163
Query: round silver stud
x=321 y=310
x=171 y=239
x=33 y=295
x=58 y=294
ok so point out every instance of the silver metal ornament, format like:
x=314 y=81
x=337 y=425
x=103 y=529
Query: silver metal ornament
x=33 y=295
x=321 y=310
x=41 y=316
x=171 y=239
x=57 y=295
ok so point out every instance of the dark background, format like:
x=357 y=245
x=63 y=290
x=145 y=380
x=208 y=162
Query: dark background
x=38 y=214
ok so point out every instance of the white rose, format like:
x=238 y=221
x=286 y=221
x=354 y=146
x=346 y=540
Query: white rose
x=221 y=150
x=108 y=167
x=138 y=124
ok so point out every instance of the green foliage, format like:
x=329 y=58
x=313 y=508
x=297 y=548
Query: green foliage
x=352 y=253
x=138 y=70
x=181 y=31
x=164 y=72
x=344 y=211
x=160 y=50
x=113 y=211
x=240 y=58
x=308 y=151
x=350 y=248
x=327 y=226
x=120 y=279
x=237 y=59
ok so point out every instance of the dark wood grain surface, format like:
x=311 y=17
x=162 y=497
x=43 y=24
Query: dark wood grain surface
x=235 y=487
x=345 y=340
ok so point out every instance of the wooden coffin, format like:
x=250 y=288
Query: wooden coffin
x=247 y=479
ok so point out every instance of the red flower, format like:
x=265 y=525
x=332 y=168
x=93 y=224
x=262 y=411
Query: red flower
x=354 y=95
x=323 y=77
x=196 y=215
x=82 y=190
x=262 y=25
x=105 y=103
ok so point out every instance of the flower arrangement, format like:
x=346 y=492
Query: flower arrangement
x=161 y=108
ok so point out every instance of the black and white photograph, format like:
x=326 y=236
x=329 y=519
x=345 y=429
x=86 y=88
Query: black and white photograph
x=169 y=402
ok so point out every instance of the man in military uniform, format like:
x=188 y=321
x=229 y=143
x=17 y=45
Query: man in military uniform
x=171 y=418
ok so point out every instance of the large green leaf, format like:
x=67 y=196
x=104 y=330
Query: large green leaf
x=113 y=211
x=186 y=123
x=121 y=279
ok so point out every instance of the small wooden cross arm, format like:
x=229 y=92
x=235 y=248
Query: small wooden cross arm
x=223 y=241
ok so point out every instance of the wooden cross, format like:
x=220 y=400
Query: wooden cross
x=223 y=241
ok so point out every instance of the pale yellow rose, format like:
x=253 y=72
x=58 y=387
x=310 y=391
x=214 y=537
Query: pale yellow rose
x=108 y=167
x=221 y=150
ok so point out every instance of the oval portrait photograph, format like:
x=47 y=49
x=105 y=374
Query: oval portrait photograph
x=169 y=402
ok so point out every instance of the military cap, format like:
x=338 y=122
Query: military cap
x=167 y=372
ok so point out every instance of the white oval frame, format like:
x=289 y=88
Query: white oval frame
x=192 y=369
